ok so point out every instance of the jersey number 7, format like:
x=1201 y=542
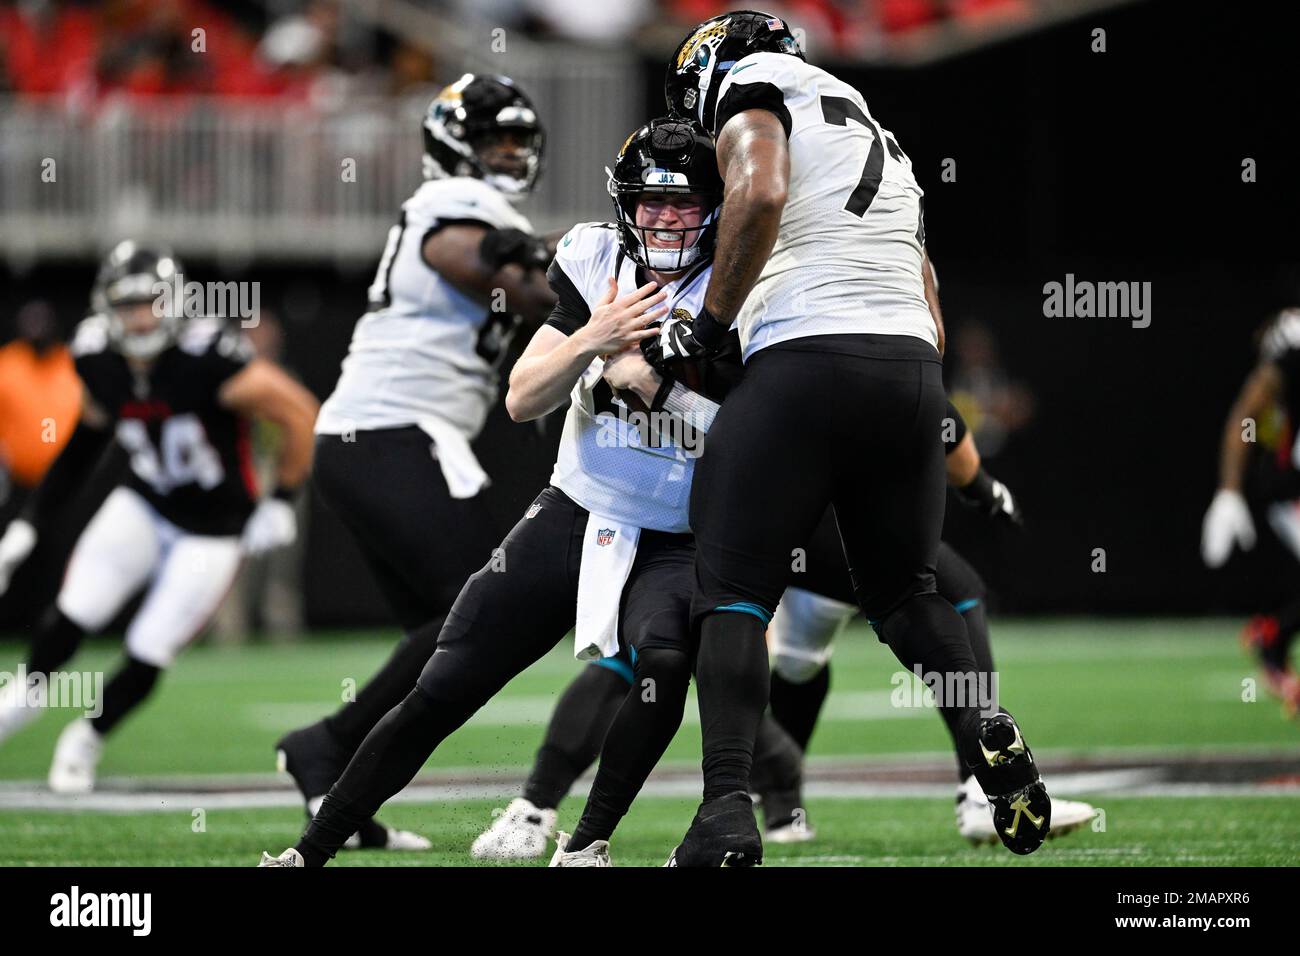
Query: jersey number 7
x=838 y=110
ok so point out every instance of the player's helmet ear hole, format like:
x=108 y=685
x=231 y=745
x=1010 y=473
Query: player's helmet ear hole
x=471 y=115
x=668 y=157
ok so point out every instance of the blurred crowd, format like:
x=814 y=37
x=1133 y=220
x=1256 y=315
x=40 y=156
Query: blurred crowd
x=300 y=49
x=321 y=49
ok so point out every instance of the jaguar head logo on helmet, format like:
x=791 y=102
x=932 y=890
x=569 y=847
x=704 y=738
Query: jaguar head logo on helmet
x=126 y=294
x=701 y=60
x=667 y=195
x=486 y=127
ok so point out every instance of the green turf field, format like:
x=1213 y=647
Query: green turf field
x=1083 y=690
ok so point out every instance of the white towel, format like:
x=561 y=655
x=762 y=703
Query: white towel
x=608 y=550
x=465 y=477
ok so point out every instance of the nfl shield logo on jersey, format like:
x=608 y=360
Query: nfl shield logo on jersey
x=605 y=536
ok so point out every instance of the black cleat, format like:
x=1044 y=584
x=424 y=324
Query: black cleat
x=723 y=833
x=315 y=760
x=1022 y=810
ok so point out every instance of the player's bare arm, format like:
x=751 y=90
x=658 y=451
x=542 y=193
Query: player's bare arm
x=264 y=390
x=1228 y=523
x=1258 y=392
x=754 y=161
x=553 y=362
x=932 y=297
x=456 y=253
x=963 y=462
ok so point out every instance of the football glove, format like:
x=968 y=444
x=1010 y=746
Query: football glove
x=1227 y=523
x=18 y=541
x=684 y=339
x=501 y=247
x=273 y=524
x=993 y=498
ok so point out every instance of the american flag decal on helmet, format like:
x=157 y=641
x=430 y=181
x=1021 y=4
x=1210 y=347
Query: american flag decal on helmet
x=775 y=23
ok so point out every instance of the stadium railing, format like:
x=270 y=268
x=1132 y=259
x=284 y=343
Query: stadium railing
x=273 y=180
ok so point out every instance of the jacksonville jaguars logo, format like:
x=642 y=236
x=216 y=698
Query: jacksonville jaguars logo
x=681 y=315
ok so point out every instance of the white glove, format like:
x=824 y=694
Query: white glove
x=18 y=541
x=272 y=525
x=1227 y=523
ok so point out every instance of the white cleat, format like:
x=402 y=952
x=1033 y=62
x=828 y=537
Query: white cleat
x=797 y=831
x=76 y=756
x=19 y=706
x=407 y=841
x=519 y=832
x=1069 y=815
x=595 y=855
x=289 y=857
x=975 y=815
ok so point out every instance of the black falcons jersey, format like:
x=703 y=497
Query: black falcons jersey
x=190 y=458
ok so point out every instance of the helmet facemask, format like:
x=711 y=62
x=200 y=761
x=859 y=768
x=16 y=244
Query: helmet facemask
x=455 y=131
x=677 y=248
x=132 y=279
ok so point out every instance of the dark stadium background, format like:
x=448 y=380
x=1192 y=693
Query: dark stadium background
x=1122 y=166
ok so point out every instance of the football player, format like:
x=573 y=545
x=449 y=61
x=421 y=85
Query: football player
x=178 y=394
x=606 y=546
x=460 y=272
x=1228 y=523
x=821 y=260
x=799 y=640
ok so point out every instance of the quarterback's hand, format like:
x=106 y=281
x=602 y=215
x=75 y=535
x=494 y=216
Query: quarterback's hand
x=619 y=321
x=628 y=371
x=1227 y=523
x=273 y=524
x=18 y=541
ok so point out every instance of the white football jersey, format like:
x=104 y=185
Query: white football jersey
x=425 y=348
x=847 y=257
x=603 y=463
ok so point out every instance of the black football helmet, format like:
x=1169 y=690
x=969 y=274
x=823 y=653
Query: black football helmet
x=466 y=112
x=700 y=62
x=129 y=275
x=668 y=156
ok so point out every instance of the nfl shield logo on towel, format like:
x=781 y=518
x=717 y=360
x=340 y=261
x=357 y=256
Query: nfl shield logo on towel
x=605 y=536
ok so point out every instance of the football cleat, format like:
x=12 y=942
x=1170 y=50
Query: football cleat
x=597 y=854
x=76 y=756
x=314 y=760
x=1022 y=810
x=289 y=857
x=519 y=832
x=723 y=833
x=1263 y=640
x=796 y=831
x=975 y=815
